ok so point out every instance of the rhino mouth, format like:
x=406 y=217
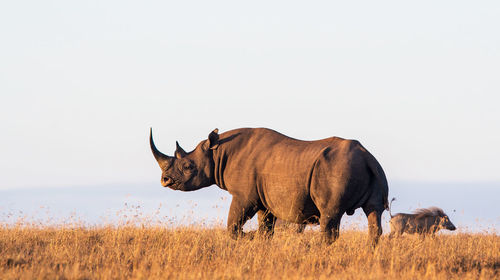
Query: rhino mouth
x=168 y=182
x=169 y=185
x=175 y=185
x=178 y=184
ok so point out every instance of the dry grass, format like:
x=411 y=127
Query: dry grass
x=196 y=253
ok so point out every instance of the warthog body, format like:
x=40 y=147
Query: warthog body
x=422 y=221
x=280 y=177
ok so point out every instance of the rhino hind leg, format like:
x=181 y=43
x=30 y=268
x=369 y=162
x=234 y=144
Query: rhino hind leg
x=267 y=221
x=374 y=223
x=329 y=225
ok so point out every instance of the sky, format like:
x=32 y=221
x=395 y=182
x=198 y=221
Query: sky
x=81 y=83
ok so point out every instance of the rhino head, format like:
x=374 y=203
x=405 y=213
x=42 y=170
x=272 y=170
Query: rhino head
x=187 y=171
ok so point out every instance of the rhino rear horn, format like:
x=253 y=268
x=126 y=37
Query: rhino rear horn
x=179 y=151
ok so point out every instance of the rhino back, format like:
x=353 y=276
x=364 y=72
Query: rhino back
x=278 y=172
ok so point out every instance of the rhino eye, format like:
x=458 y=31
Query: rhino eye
x=188 y=166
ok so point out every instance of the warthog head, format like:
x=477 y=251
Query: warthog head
x=187 y=171
x=445 y=223
x=442 y=220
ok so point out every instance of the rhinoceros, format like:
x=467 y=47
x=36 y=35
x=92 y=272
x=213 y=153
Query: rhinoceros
x=277 y=176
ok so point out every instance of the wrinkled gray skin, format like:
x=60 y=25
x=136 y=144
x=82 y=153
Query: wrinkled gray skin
x=426 y=221
x=280 y=177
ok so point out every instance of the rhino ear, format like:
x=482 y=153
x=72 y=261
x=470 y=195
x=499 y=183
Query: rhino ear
x=179 y=151
x=213 y=139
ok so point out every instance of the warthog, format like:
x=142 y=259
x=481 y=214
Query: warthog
x=276 y=176
x=422 y=221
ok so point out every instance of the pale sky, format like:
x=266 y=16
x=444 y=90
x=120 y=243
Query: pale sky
x=81 y=82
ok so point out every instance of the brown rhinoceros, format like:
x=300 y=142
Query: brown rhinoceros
x=280 y=177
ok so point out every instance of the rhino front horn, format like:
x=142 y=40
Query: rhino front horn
x=160 y=157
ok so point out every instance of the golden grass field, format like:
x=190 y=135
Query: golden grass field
x=135 y=252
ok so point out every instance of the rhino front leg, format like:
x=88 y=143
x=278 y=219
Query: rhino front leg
x=267 y=221
x=239 y=212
